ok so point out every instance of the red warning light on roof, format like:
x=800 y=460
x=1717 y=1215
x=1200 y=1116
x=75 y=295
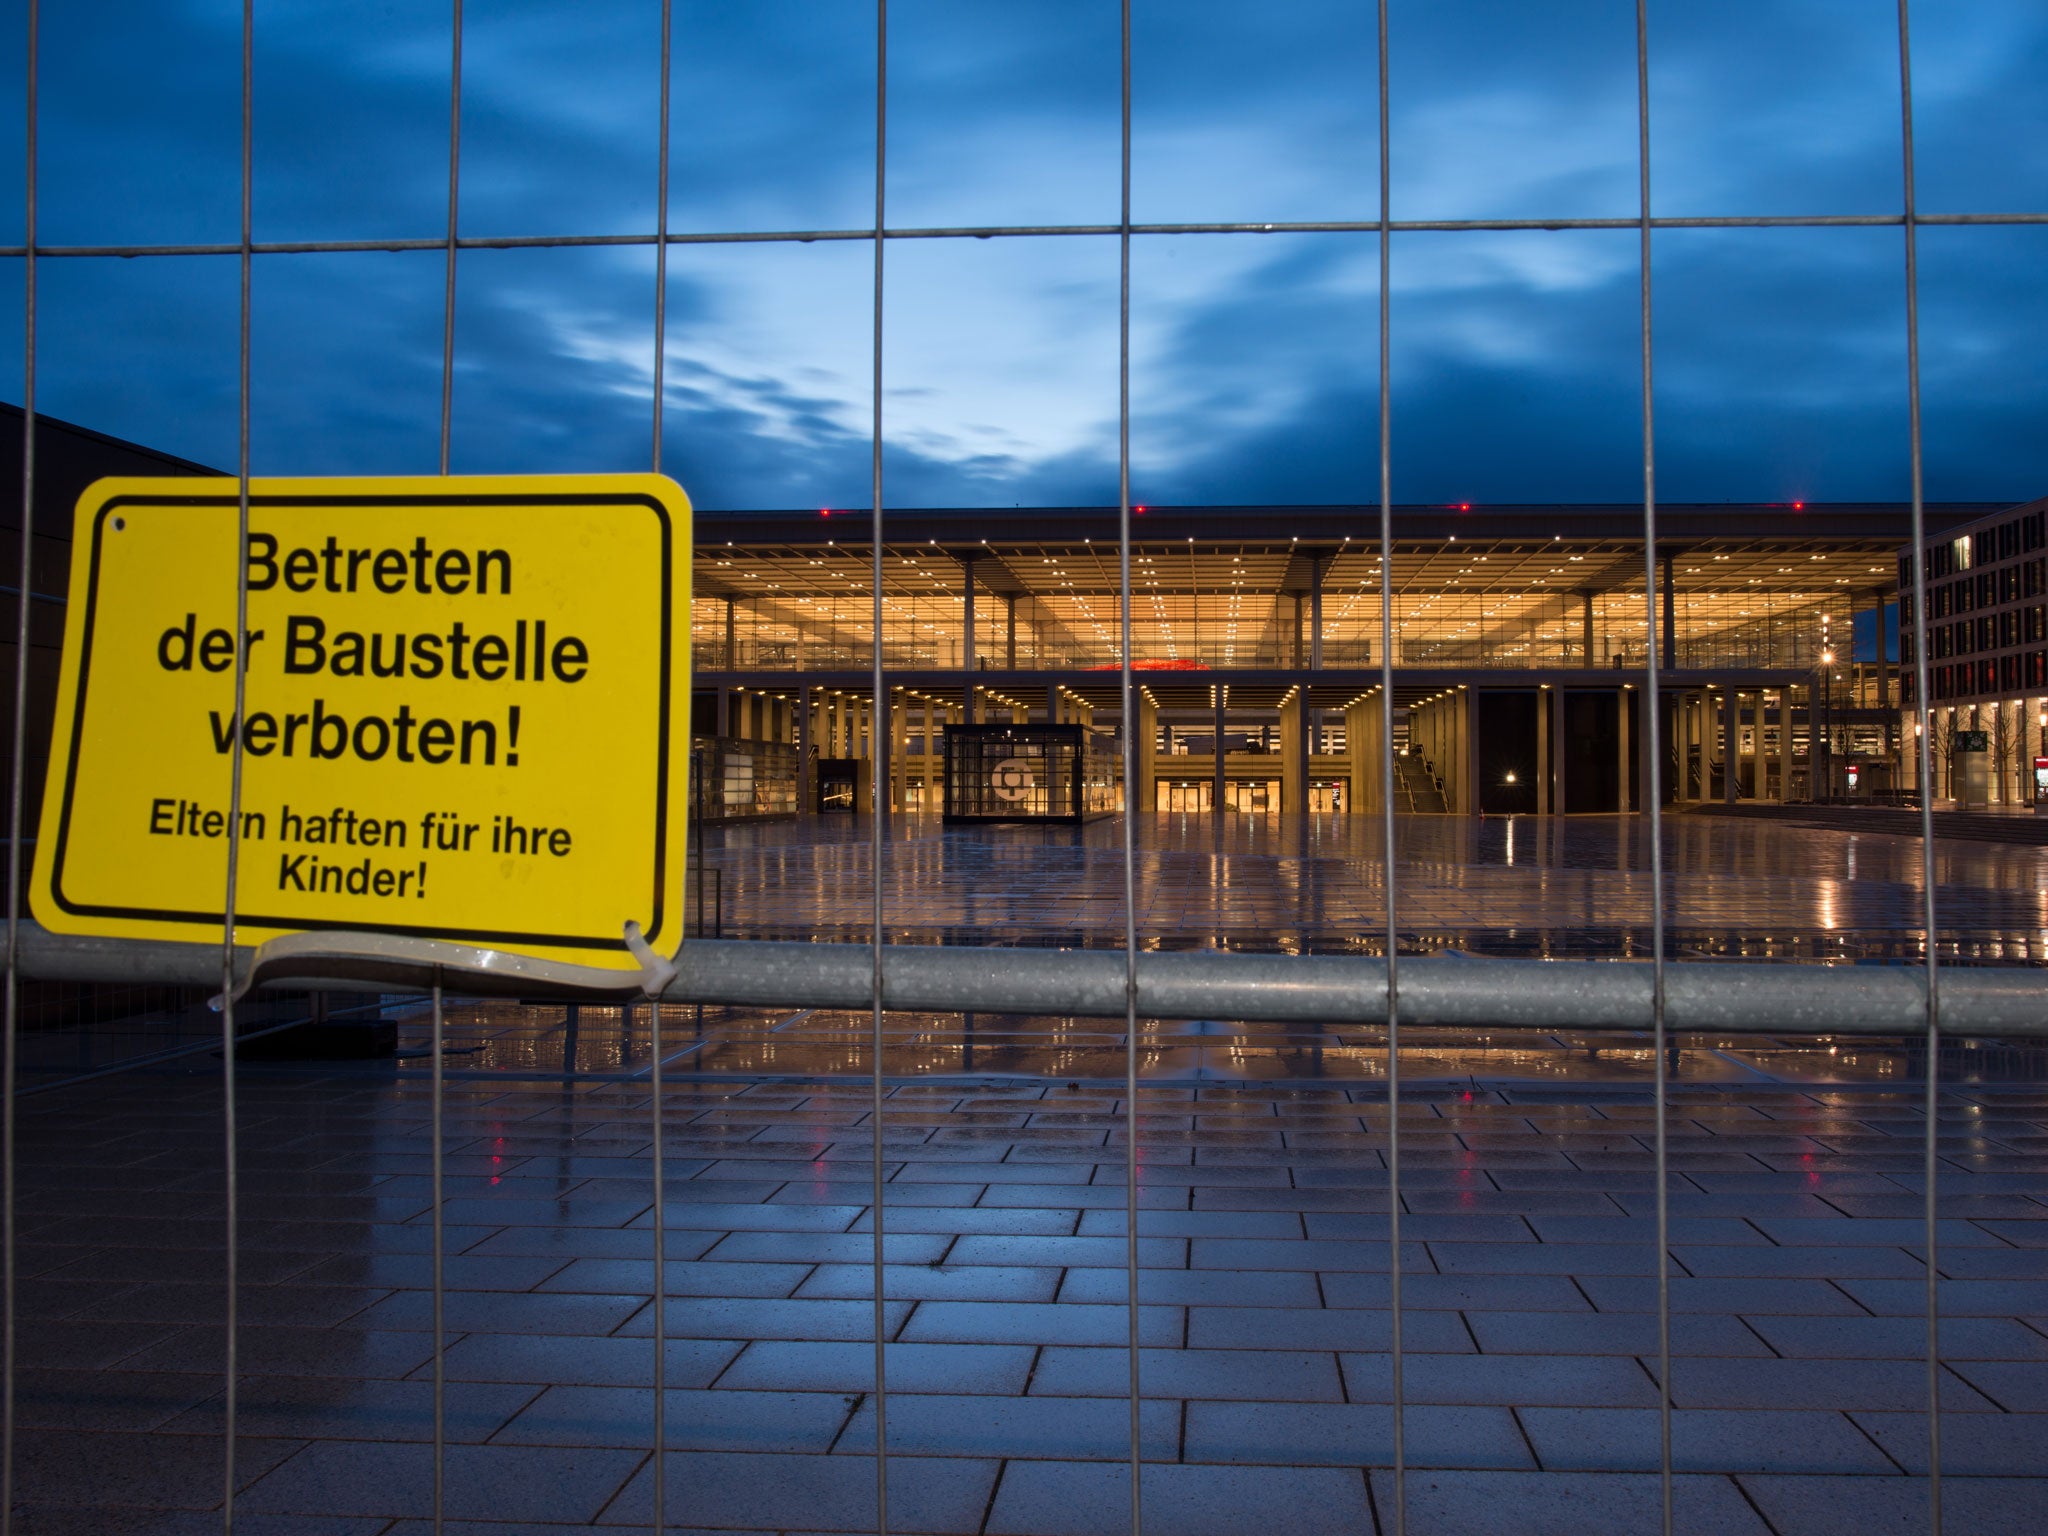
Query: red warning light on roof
x=1798 y=506
x=824 y=511
x=1139 y=510
x=1464 y=506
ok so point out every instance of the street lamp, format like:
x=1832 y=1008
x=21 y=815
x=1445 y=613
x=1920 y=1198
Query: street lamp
x=1821 y=754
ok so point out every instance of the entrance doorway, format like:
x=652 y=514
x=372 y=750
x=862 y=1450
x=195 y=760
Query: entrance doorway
x=1251 y=796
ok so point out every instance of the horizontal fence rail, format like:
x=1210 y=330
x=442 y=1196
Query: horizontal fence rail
x=1029 y=231
x=1711 y=997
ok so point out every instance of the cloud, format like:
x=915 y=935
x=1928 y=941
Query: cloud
x=1254 y=358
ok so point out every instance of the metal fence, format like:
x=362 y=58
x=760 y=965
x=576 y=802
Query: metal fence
x=1397 y=992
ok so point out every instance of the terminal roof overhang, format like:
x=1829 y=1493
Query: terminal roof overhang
x=783 y=563
x=1229 y=589
x=1864 y=522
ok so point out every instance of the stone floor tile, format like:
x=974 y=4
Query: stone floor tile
x=1303 y=1254
x=1109 y=1222
x=940 y=1494
x=935 y=1281
x=733 y=1317
x=829 y=1247
x=291 y=1306
x=1900 y=1232
x=1505 y=1380
x=190 y=1266
x=565 y=1211
x=748 y=1184
x=1959 y=1263
x=459 y=1271
x=1302 y=1376
x=345 y=1352
x=110 y=1520
x=54 y=1299
x=690 y=1277
x=108 y=1399
x=494 y=1482
x=1613 y=1333
x=1048 y=1498
x=998 y=1322
x=1956 y=1298
x=1982 y=1445
x=1023 y=1175
x=1544 y=1258
x=1567 y=1504
x=1897 y=1506
x=1420 y=1227
x=1060 y=1428
x=1195 y=1287
x=698 y=1215
x=1702 y=1440
x=1804 y=1180
x=1016 y=1221
x=1836 y=1385
x=1899 y=1338
x=1299 y=1198
x=1799 y=1298
x=1748 y=1207
x=898 y=1195
x=565 y=1243
x=497 y=1312
x=1534 y=1293
x=56 y=1345
x=1331 y=1328
x=800 y=1422
x=2017 y=1386
x=2031 y=1232
x=1085 y=1252
x=1081 y=1196
x=543 y=1360
x=1511 y=1202
x=985 y=1370
x=160 y=1470
x=1908 y=1206
x=335 y=1408
x=1643 y=1229
x=1812 y=1261
x=1352 y=1435
x=1160 y=1173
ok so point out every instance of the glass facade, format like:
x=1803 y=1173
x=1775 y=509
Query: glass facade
x=1064 y=773
x=734 y=780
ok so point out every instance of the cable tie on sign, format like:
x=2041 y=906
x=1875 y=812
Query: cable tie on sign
x=398 y=960
x=656 y=971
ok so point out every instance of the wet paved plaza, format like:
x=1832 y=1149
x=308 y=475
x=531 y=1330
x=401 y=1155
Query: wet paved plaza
x=1529 y=1319
x=1526 y=1191
x=1576 y=886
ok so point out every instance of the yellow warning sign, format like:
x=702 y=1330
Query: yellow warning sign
x=465 y=714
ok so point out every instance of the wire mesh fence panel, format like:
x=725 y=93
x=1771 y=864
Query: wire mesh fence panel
x=1187 y=1129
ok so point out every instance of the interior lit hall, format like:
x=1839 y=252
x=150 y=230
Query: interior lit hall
x=1518 y=654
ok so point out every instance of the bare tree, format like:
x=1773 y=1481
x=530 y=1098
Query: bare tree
x=2014 y=762
x=1941 y=749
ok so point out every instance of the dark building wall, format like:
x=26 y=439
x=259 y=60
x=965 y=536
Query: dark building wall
x=67 y=460
x=1507 y=746
x=1591 y=755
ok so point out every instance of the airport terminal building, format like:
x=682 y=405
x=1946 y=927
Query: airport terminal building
x=1519 y=639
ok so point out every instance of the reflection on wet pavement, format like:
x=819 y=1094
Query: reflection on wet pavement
x=710 y=1044
x=1575 y=887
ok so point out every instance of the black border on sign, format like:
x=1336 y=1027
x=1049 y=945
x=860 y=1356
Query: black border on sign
x=421 y=498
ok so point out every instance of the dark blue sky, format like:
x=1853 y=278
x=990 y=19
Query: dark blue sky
x=1780 y=352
